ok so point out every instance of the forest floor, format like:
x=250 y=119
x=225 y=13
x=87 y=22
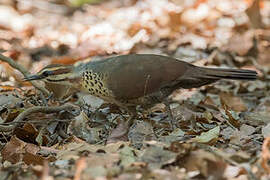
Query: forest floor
x=224 y=128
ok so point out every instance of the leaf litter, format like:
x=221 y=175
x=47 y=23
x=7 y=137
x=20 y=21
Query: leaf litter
x=222 y=129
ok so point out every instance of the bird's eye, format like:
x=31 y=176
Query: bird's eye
x=45 y=73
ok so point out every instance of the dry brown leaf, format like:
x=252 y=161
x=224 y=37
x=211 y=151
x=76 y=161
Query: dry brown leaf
x=233 y=102
x=206 y=163
x=80 y=128
x=233 y=121
x=254 y=15
x=120 y=133
x=16 y=150
x=27 y=133
x=13 y=150
x=246 y=41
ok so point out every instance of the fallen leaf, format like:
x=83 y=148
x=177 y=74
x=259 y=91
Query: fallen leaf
x=254 y=14
x=233 y=118
x=256 y=118
x=208 y=137
x=266 y=131
x=246 y=39
x=16 y=150
x=139 y=132
x=80 y=128
x=127 y=156
x=120 y=133
x=233 y=102
x=206 y=163
x=247 y=130
x=156 y=157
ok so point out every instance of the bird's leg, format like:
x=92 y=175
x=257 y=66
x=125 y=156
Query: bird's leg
x=172 y=120
x=164 y=97
x=132 y=114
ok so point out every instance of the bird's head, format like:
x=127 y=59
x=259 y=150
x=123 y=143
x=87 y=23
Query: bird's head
x=55 y=73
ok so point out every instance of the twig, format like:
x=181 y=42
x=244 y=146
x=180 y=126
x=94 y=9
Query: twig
x=20 y=68
x=43 y=109
x=35 y=122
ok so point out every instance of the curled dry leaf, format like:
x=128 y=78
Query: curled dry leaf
x=10 y=106
x=208 y=137
x=233 y=117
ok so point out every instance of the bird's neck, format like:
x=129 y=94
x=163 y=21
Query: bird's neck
x=66 y=83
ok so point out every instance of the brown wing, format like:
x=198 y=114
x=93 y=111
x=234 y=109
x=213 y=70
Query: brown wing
x=133 y=76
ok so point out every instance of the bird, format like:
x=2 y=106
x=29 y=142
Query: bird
x=133 y=79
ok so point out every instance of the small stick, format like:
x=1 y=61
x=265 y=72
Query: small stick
x=20 y=68
x=35 y=109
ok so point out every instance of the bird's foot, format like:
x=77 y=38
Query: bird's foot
x=172 y=120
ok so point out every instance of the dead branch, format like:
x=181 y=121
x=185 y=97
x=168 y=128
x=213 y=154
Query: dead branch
x=43 y=109
x=20 y=68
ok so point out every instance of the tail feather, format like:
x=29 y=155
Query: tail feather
x=234 y=74
x=200 y=76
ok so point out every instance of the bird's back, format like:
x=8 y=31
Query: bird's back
x=134 y=76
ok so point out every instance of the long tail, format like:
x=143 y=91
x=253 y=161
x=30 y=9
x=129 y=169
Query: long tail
x=235 y=74
x=199 y=76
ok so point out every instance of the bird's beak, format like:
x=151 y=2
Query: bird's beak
x=33 y=77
